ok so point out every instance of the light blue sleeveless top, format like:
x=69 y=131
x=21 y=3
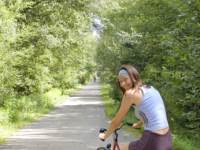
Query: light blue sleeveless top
x=152 y=109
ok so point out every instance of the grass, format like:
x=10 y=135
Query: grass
x=25 y=111
x=180 y=141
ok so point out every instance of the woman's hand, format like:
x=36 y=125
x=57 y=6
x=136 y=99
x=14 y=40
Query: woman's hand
x=137 y=125
x=102 y=136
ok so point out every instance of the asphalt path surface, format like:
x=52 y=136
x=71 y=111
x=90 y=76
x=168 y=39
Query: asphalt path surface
x=72 y=125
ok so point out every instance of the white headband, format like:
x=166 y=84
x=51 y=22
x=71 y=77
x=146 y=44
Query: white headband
x=123 y=72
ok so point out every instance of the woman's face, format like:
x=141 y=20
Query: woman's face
x=125 y=82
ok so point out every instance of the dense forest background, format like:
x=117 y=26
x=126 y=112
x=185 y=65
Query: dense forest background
x=48 y=46
x=44 y=45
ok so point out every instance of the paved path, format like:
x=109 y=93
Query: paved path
x=73 y=125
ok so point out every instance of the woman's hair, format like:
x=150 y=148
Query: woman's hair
x=134 y=76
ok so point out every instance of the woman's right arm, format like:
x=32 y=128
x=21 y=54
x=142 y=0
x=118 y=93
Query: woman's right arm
x=127 y=101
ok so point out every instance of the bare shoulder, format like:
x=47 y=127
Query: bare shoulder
x=129 y=93
x=133 y=95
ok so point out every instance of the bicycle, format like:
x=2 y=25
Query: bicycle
x=115 y=138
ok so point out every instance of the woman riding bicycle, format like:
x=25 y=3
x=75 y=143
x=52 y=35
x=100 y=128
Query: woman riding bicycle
x=151 y=109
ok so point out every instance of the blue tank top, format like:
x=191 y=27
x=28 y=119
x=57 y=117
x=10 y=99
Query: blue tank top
x=152 y=109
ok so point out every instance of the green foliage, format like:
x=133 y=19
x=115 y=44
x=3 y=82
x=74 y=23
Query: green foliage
x=161 y=39
x=43 y=45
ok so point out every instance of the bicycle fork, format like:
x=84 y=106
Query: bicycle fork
x=115 y=144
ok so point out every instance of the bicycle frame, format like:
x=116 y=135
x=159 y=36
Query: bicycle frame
x=115 y=141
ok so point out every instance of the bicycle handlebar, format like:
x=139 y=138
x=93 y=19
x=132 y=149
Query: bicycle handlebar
x=123 y=124
x=102 y=130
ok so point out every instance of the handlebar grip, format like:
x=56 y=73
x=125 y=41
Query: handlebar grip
x=102 y=130
x=129 y=124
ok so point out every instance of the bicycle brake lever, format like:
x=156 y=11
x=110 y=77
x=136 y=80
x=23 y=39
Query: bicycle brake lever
x=108 y=146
